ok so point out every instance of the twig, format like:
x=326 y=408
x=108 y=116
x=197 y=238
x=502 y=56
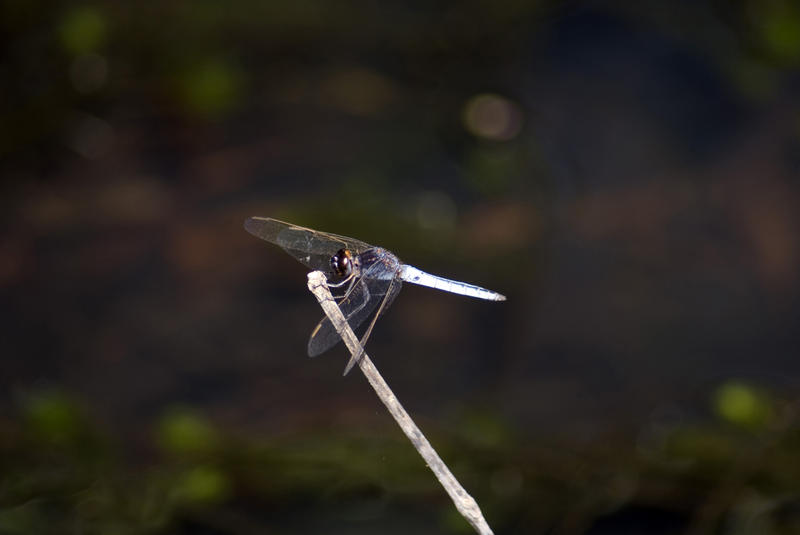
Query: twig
x=465 y=503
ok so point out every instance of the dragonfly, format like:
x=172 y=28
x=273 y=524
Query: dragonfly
x=368 y=277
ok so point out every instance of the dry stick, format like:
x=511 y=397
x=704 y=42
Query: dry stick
x=465 y=503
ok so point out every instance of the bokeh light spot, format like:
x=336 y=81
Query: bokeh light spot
x=182 y=431
x=83 y=30
x=211 y=88
x=202 y=484
x=492 y=117
x=743 y=405
x=780 y=29
x=53 y=417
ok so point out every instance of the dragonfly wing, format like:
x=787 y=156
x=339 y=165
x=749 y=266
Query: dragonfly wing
x=395 y=289
x=357 y=306
x=356 y=310
x=310 y=247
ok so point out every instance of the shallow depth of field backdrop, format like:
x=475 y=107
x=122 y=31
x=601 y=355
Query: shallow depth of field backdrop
x=626 y=173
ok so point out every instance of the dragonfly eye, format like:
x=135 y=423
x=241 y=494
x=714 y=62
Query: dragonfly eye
x=342 y=263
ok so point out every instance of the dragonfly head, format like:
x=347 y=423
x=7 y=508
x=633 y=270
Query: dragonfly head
x=342 y=263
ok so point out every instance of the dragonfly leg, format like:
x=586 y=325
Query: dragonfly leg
x=347 y=279
x=349 y=290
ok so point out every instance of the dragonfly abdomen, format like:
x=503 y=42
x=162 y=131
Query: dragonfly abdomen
x=417 y=276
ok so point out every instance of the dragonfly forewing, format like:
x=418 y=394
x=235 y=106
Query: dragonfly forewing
x=310 y=247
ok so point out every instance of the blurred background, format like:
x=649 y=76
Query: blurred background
x=626 y=173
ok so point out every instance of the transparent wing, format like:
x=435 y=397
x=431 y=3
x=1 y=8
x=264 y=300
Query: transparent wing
x=359 y=306
x=310 y=247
